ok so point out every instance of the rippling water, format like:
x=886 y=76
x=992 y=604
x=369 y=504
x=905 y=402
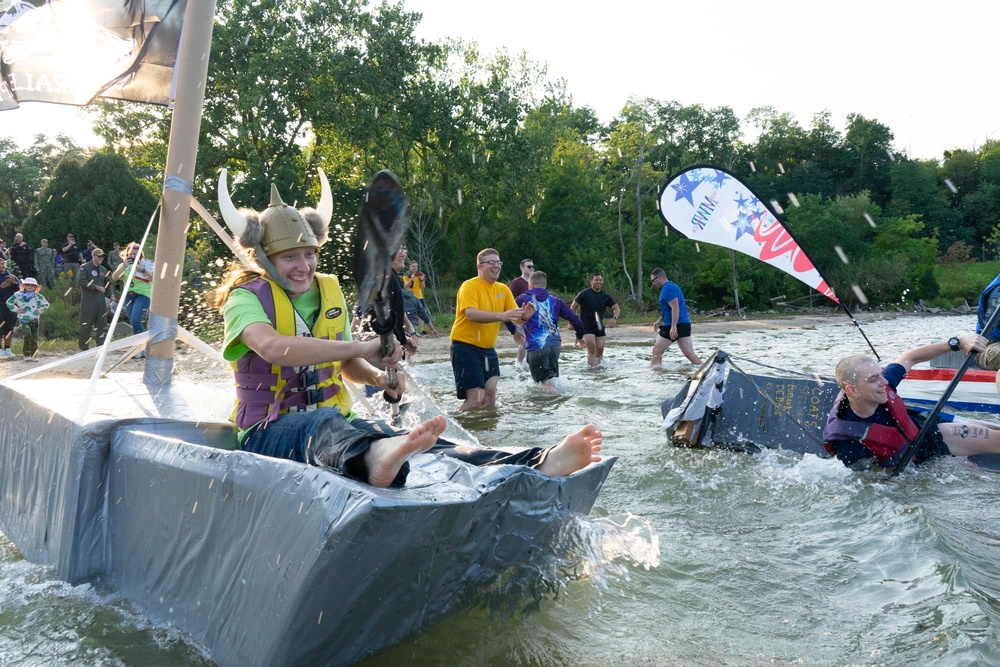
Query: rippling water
x=689 y=557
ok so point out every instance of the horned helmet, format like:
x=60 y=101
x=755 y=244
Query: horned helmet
x=279 y=227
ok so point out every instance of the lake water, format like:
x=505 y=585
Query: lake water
x=690 y=557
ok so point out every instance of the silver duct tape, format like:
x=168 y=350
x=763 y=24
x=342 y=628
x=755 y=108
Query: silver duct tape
x=161 y=328
x=178 y=184
x=157 y=371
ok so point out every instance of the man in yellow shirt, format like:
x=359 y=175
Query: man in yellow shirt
x=482 y=304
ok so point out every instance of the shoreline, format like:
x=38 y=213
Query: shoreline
x=437 y=349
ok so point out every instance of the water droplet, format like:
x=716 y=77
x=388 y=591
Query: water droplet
x=858 y=293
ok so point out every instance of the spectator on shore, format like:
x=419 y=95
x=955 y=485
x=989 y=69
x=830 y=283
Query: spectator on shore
x=415 y=282
x=71 y=257
x=28 y=304
x=45 y=265
x=95 y=290
x=9 y=284
x=20 y=254
x=139 y=291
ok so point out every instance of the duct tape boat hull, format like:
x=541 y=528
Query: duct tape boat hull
x=261 y=561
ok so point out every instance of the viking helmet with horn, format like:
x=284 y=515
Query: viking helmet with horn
x=280 y=227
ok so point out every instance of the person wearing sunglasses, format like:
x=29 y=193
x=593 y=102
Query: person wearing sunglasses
x=519 y=286
x=482 y=304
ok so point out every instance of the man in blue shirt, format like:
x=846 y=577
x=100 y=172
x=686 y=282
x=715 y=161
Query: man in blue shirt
x=674 y=312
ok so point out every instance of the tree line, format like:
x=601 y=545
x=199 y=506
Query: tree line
x=494 y=153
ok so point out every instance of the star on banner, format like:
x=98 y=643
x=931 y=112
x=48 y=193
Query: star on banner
x=684 y=187
x=742 y=225
x=720 y=178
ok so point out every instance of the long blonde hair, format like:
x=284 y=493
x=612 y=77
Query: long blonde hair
x=236 y=274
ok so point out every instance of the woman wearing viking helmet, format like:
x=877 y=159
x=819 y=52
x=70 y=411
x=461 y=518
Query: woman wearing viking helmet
x=287 y=336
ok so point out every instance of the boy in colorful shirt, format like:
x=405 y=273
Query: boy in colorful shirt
x=28 y=304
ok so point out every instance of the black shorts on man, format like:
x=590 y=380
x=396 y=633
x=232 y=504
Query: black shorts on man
x=683 y=331
x=544 y=363
x=472 y=366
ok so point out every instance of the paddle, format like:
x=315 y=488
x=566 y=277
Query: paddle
x=931 y=420
x=382 y=226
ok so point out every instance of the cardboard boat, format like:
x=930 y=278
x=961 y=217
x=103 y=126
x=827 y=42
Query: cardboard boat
x=260 y=561
x=724 y=406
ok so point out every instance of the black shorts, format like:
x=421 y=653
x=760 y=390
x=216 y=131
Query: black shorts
x=592 y=328
x=8 y=321
x=544 y=363
x=683 y=331
x=472 y=366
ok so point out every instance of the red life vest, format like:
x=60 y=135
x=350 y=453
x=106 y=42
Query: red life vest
x=884 y=442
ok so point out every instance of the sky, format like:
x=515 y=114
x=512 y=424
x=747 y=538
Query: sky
x=915 y=66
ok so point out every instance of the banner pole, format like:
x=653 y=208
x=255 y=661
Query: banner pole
x=862 y=331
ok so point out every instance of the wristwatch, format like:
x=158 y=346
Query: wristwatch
x=953 y=343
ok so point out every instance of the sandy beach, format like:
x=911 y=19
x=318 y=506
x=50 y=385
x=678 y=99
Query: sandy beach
x=436 y=348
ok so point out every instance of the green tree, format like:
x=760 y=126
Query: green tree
x=97 y=198
x=22 y=174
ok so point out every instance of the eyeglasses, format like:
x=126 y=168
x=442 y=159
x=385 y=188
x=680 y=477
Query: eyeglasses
x=493 y=262
x=529 y=266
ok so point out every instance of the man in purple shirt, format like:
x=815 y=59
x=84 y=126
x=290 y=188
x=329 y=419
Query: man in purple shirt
x=541 y=330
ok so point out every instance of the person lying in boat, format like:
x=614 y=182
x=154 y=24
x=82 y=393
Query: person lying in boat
x=870 y=421
x=288 y=338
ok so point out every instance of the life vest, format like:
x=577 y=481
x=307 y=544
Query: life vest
x=264 y=390
x=884 y=442
x=982 y=315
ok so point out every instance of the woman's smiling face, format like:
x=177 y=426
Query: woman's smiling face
x=297 y=267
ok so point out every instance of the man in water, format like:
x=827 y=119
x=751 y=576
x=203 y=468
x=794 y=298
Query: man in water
x=870 y=421
x=481 y=305
x=593 y=303
x=674 y=311
x=541 y=330
x=519 y=286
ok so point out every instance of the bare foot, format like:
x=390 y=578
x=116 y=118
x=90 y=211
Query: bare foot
x=576 y=451
x=386 y=456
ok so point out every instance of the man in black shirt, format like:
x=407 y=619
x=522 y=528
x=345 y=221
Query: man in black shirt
x=20 y=254
x=593 y=303
x=71 y=258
